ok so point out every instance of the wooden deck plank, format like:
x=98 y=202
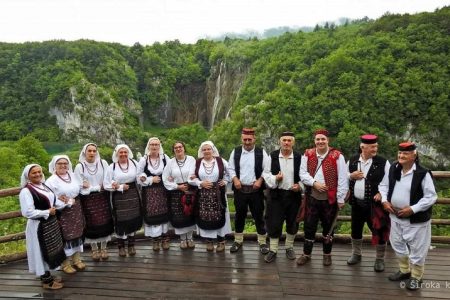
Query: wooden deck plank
x=195 y=274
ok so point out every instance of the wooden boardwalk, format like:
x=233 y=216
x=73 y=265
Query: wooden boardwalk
x=198 y=274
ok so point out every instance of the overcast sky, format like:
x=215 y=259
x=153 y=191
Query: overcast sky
x=147 y=21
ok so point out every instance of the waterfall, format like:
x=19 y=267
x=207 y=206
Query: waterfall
x=164 y=109
x=217 y=95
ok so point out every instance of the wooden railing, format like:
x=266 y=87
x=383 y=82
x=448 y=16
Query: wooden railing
x=338 y=237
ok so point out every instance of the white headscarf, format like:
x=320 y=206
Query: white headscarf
x=82 y=157
x=214 y=149
x=24 y=178
x=147 y=148
x=52 y=164
x=115 y=157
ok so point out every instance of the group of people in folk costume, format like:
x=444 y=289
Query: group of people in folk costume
x=186 y=194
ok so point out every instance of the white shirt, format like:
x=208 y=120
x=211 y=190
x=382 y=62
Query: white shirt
x=179 y=174
x=120 y=176
x=247 y=166
x=60 y=187
x=156 y=170
x=95 y=179
x=401 y=194
x=364 y=166
x=212 y=177
x=308 y=180
x=286 y=168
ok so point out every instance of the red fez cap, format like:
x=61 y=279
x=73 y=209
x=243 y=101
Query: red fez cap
x=287 y=133
x=407 y=146
x=249 y=131
x=321 y=131
x=369 y=139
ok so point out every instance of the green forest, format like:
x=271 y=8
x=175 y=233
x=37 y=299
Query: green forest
x=388 y=76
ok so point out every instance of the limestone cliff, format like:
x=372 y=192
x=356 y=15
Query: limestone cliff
x=204 y=102
x=92 y=114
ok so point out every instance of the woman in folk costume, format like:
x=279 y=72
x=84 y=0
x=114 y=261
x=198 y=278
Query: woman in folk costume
x=181 y=195
x=44 y=241
x=120 y=179
x=154 y=194
x=66 y=187
x=211 y=177
x=91 y=171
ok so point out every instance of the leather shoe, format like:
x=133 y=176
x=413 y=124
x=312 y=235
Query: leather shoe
x=54 y=285
x=303 y=259
x=235 y=247
x=156 y=246
x=131 y=251
x=413 y=284
x=327 y=260
x=354 y=259
x=68 y=269
x=209 y=246
x=183 y=245
x=264 y=249
x=290 y=253
x=104 y=254
x=270 y=257
x=95 y=255
x=122 y=252
x=165 y=244
x=399 y=276
x=379 y=265
x=79 y=265
x=220 y=246
x=190 y=244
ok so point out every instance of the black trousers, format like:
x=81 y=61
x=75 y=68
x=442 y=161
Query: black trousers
x=318 y=210
x=361 y=215
x=282 y=206
x=254 y=201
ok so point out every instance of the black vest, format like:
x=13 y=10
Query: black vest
x=258 y=161
x=146 y=170
x=416 y=191
x=275 y=165
x=373 y=178
x=41 y=202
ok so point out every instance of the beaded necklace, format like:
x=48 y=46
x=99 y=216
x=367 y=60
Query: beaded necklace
x=91 y=171
x=124 y=170
x=180 y=165
x=209 y=167
x=157 y=162
x=45 y=189
x=68 y=180
x=181 y=162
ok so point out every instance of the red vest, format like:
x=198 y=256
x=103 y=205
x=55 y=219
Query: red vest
x=329 y=169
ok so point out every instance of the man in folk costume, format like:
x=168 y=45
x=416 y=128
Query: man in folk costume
x=408 y=194
x=283 y=179
x=324 y=171
x=366 y=170
x=246 y=165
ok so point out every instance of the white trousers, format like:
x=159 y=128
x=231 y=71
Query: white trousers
x=411 y=240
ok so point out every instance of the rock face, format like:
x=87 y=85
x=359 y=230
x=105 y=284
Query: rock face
x=223 y=88
x=92 y=114
x=187 y=107
x=204 y=102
